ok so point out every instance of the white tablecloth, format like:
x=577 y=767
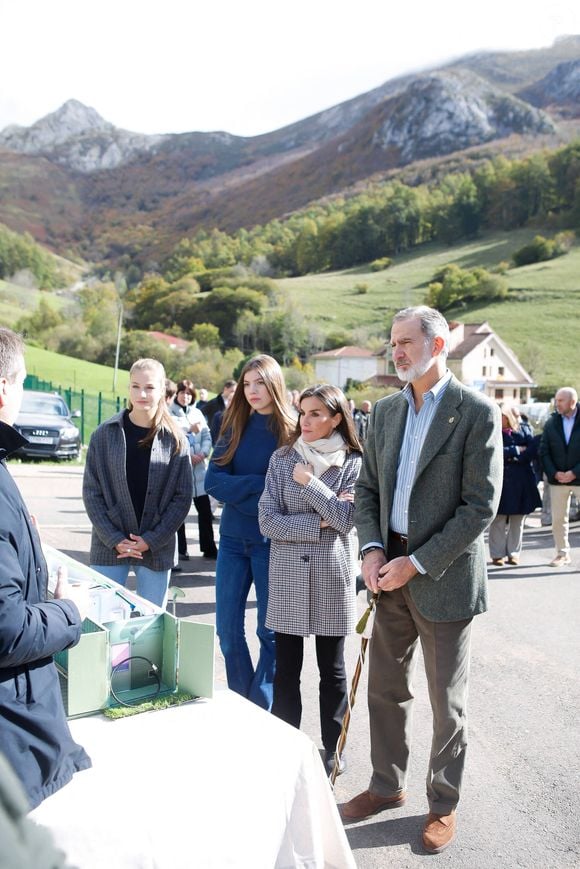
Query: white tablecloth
x=215 y=783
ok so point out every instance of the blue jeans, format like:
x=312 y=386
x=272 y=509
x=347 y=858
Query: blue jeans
x=239 y=563
x=151 y=584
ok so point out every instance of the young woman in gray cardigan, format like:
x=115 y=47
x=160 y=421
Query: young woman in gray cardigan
x=137 y=487
x=307 y=510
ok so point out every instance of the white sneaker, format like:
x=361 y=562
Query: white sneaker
x=560 y=561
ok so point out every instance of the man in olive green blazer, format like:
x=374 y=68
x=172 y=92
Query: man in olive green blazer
x=428 y=489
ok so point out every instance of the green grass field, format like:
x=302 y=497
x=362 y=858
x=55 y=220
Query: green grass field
x=75 y=374
x=99 y=401
x=538 y=319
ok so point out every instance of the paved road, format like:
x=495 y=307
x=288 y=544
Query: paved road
x=521 y=803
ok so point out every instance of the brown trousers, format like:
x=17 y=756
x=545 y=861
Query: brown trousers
x=397 y=630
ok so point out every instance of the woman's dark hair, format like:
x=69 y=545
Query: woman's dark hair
x=335 y=402
x=187 y=386
x=170 y=389
x=238 y=411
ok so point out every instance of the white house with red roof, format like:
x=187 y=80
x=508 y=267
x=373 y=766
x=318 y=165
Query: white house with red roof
x=477 y=356
x=344 y=363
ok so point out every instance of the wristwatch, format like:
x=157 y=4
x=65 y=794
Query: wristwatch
x=368 y=549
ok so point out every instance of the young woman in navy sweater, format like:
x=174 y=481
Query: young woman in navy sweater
x=256 y=422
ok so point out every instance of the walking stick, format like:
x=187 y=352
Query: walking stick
x=174 y=592
x=365 y=628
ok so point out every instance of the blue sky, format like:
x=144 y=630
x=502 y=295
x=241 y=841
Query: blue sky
x=245 y=66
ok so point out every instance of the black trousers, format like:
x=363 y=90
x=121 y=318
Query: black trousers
x=332 y=688
x=205 y=527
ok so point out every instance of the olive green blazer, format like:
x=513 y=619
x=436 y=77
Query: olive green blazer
x=453 y=500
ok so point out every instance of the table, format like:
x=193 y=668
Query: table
x=211 y=784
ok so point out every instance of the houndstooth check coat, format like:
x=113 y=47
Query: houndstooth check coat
x=312 y=575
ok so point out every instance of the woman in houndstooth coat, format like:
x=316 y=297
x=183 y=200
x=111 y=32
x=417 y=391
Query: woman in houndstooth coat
x=307 y=510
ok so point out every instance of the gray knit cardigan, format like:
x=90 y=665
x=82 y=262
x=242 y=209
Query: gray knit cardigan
x=108 y=501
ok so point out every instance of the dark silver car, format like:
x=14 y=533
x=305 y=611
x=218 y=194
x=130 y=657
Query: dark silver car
x=46 y=423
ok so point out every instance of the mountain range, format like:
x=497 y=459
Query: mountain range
x=79 y=184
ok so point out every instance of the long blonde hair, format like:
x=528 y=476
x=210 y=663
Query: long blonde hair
x=238 y=412
x=507 y=411
x=162 y=420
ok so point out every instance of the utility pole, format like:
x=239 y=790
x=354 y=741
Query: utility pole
x=121 y=287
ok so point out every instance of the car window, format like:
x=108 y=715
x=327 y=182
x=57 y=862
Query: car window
x=54 y=406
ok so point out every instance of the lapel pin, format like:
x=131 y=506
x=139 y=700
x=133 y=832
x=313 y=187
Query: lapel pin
x=451 y=418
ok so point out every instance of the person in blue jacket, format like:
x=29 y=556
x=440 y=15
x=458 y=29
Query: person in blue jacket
x=256 y=422
x=34 y=734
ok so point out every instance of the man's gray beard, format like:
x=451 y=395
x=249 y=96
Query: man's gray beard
x=415 y=371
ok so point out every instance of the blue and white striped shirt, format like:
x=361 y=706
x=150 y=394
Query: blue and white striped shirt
x=416 y=430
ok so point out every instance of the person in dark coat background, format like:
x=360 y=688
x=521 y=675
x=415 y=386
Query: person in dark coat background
x=219 y=405
x=560 y=453
x=34 y=733
x=519 y=494
x=361 y=420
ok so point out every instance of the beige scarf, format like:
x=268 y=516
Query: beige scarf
x=323 y=453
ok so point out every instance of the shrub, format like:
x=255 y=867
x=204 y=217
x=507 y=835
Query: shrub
x=338 y=338
x=564 y=241
x=539 y=250
x=206 y=335
x=456 y=286
x=361 y=289
x=211 y=278
x=378 y=265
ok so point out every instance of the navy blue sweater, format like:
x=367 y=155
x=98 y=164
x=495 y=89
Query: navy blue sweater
x=239 y=484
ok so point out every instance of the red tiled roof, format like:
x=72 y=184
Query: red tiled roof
x=172 y=340
x=473 y=335
x=350 y=351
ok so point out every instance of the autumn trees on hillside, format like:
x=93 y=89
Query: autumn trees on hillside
x=390 y=218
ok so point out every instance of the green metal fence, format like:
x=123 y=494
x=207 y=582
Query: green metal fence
x=93 y=408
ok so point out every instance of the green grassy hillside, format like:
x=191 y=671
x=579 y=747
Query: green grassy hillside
x=17 y=301
x=538 y=319
x=76 y=374
x=66 y=373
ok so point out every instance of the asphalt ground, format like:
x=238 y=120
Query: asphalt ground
x=520 y=804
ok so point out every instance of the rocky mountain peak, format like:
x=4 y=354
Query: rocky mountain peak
x=77 y=136
x=450 y=110
x=560 y=86
x=71 y=118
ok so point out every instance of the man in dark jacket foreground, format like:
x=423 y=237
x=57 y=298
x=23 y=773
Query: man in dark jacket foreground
x=34 y=733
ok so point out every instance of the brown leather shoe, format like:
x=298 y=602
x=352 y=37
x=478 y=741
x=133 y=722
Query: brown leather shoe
x=438 y=832
x=367 y=804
